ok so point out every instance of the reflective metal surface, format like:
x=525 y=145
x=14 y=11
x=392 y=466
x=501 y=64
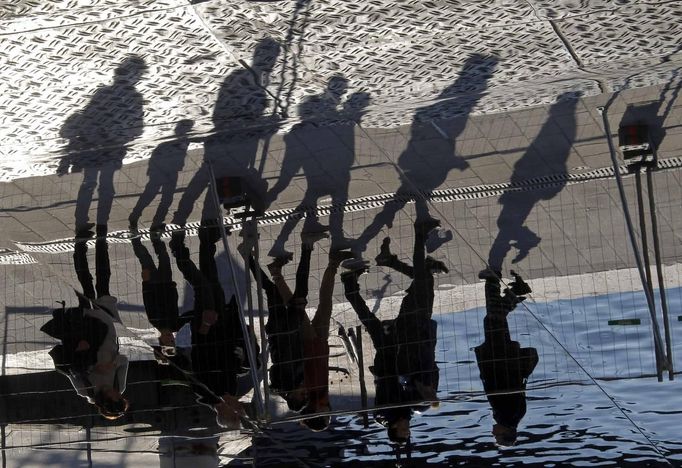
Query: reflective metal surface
x=324 y=233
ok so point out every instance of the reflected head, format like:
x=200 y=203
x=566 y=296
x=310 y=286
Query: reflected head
x=399 y=431
x=316 y=424
x=111 y=404
x=265 y=55
x=131 y=69
x=505 y=436
x=315 y=406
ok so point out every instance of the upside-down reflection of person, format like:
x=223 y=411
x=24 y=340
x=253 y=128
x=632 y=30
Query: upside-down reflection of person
x=299 y=347
x=89 y=355
x=404 y=369
x=504 y=365
x=218 y=353
x=159 y=293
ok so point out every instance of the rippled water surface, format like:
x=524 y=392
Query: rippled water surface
x=592 y=399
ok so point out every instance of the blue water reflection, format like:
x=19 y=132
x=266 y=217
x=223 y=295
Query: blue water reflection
x=571 y=417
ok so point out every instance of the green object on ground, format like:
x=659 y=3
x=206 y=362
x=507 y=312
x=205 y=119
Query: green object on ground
x=635 y=321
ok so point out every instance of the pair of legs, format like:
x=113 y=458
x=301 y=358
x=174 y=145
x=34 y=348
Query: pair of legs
x=309 y=204
x=281 y=298
x=166 y=161
x=102 y=270
x=150 y=272
x=208 y=293
x=153 y=187
x=516 y=208
x=159 y=291
x=319 y=326
x=102 y=178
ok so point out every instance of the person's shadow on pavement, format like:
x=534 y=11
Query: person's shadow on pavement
x=165 y=164
x=97 y=141
x=517 y=205
x=239 y=125
x=329 y=172
x=425 y=170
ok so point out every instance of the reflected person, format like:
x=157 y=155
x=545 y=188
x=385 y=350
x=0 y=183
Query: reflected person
x=218 y=347
x=98 y=137
x=159 y=293
x=504 y=365
x=404 y=367
x=299 y=347
x=89 y=355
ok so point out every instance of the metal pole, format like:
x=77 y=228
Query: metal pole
x=361 y=375
x=249 y=302
x=240 y=307
x=88 y=445
x=4 y=444
x=645 y=252
x=642 y=227
x=628 y=220
x=261 y=322
x=249 y=295
x=659 y=271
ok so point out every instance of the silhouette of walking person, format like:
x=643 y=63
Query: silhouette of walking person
x=337 y=162
x=166 y=162
x=97 y=141
x=422 y=173
x=517 y=205
x=504 y=365
x=404 y=367
x=239 y=124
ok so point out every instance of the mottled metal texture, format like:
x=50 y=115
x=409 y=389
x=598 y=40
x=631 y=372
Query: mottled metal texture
x=406 y=55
